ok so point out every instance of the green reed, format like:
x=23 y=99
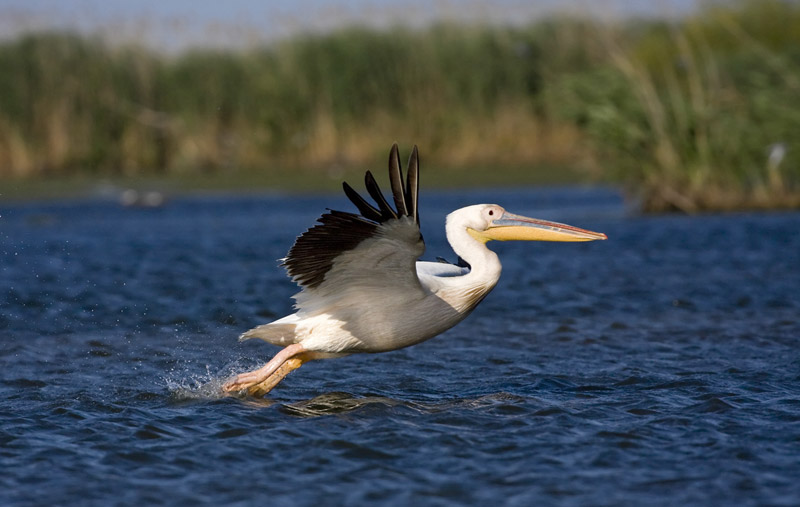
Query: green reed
x=693 y=113
x=697 y=113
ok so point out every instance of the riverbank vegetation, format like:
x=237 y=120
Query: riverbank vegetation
x=689 y=114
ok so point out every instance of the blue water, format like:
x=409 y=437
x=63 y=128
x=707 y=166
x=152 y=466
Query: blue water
x=660 y=367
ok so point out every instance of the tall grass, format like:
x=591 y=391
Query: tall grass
x=700 y=113
x=692 y=113
x=69 y=104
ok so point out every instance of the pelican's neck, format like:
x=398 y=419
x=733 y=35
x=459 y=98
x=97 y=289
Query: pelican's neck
x=466 y=291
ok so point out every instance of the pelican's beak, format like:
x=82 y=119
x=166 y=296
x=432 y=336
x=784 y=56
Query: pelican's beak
x=515 y=227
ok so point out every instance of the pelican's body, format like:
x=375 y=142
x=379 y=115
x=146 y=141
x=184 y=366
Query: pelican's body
x=364 y=289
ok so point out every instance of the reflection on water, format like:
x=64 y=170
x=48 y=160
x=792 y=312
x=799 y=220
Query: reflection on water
x=658 y=367
x=335 y=403
x=340 y=402
x=331 y=403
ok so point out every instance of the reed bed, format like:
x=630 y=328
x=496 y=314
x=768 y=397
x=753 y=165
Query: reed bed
x=690 y=114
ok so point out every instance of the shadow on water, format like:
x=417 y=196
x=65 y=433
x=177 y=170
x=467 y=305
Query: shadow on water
x=331 y=403
x=337 y=402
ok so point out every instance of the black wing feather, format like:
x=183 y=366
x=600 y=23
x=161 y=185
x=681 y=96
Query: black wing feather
x=375 y=191
x=314 y=252
x=396 y=180
x=367 y=210
x=412 y=185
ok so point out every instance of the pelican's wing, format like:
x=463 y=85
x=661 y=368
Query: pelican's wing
x=347 y=257
x=440 y=269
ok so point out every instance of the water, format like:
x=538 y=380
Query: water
x=659 y=367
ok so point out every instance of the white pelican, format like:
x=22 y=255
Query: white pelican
x=363 y=289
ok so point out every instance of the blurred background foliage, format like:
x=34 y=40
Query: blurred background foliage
x=695 y=113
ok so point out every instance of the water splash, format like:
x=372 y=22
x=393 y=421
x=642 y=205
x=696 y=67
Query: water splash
x=185 y=386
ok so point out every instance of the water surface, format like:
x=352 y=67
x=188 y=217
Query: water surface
x=659 y=367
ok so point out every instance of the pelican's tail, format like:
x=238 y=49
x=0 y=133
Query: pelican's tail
x=276 y=334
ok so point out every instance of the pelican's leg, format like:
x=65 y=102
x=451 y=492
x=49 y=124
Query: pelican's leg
x=287 y=367
x=251 y=378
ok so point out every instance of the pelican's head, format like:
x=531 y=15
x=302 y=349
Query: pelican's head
x=486 y=222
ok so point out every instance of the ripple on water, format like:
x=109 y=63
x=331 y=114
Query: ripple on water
x=659 y=367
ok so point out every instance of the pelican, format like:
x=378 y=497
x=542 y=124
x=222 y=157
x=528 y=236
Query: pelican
x=363 y=289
